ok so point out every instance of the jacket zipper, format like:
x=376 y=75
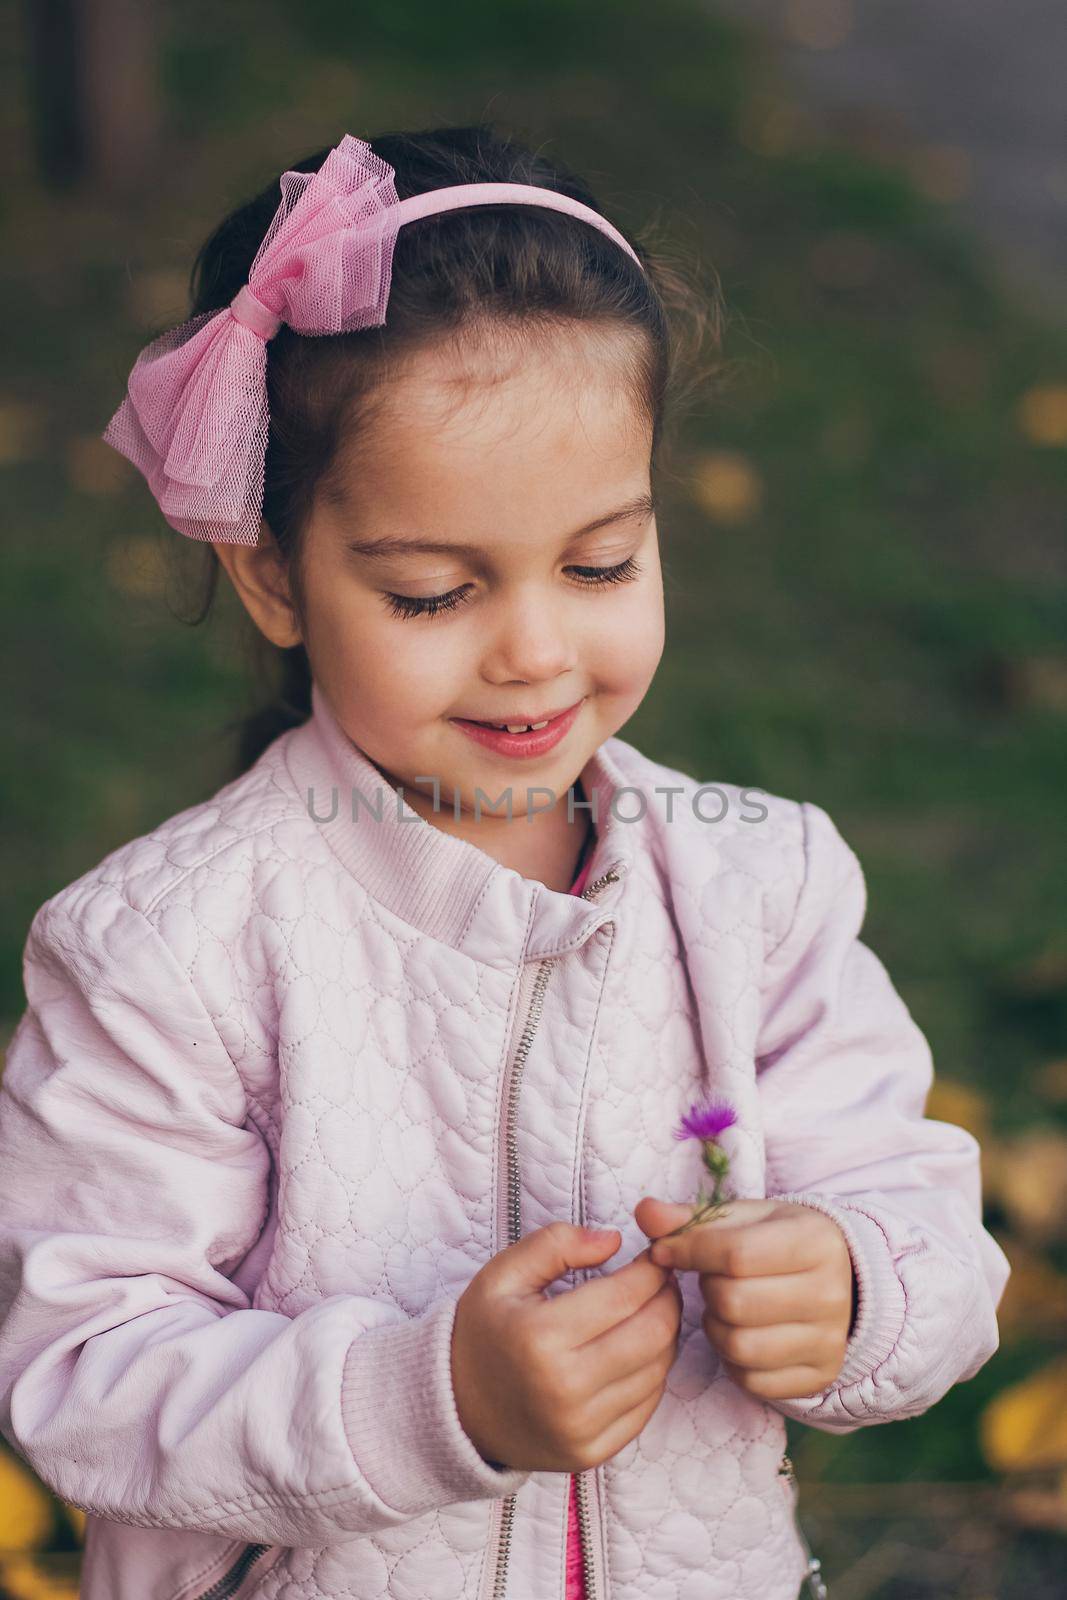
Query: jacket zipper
x=225 y=1587
x=813 y=1582
x=533 y=1017
x=581 y=1483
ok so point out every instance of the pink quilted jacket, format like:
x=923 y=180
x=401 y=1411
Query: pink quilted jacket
x=296 y=1064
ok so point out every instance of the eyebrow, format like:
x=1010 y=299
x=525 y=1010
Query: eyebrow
x=642 y=505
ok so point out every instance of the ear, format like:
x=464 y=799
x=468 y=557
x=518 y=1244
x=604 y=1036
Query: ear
x=260 y=575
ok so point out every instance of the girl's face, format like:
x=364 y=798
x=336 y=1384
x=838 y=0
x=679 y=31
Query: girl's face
x=493 y=557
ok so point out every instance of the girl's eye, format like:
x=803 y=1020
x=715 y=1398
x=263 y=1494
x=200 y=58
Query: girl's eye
x=405 y=605
x=402 y=605
x=618 y=574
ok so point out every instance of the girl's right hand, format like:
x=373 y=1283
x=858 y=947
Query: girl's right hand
x=563 y=1383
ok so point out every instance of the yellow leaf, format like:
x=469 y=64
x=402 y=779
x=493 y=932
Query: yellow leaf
x=968 y=1108
x=1042 y=414
x=1035 y=1299
x=726 y=485
x=23 y=1578
x=1028 y=1175
x=1025 y=1427
x=26 y=1511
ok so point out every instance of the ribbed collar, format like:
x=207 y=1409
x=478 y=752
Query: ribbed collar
x=445 y=886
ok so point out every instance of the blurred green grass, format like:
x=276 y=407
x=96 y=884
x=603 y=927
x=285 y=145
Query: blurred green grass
x=883 y=632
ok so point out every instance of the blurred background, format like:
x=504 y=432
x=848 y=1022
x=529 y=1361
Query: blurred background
x=864 y=544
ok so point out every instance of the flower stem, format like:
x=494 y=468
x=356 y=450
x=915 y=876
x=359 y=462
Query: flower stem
x=710 y=1205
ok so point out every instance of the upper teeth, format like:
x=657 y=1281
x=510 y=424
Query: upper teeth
x=519 y=727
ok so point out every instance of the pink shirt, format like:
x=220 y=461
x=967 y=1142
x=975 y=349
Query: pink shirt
x=575 y=1573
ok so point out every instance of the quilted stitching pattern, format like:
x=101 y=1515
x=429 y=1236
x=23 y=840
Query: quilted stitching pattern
x=370 y=1034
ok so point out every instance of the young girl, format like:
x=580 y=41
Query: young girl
x=341 y=1116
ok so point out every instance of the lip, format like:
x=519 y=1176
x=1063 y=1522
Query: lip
x=540 y=716
x=523 y=745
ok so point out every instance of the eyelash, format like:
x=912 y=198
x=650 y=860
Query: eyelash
x=403 y=605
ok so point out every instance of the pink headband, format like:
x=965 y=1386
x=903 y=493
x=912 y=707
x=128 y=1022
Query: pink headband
x=194 y=421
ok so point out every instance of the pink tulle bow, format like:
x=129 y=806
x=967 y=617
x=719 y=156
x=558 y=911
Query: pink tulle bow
x=195 y=419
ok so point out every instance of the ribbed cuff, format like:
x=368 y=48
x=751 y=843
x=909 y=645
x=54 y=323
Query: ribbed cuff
x=882 y=1302
x=401 y=1421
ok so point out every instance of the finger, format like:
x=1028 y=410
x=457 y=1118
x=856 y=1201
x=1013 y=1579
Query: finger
x=759 y=1302
x=780 y=1243
x=621 y=1396
x=647 y=1386
x=600 y=1303
x=658 y=1218
x=646 y=1336
x=789 y=1383
x=769 y=1349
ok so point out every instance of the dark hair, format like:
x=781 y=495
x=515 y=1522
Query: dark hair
x=524 y=268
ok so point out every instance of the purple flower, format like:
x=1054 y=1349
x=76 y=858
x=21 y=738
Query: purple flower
x=706 y=1121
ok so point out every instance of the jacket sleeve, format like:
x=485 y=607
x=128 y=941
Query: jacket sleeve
x=843 y=1073
x=136 y=1377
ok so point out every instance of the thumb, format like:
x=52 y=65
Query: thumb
x=538 y=1258
x=657 y=1217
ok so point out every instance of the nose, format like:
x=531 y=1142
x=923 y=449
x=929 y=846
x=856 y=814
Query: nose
x=532 y=640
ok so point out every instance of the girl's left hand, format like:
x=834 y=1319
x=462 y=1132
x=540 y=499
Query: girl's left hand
x=778 y=1289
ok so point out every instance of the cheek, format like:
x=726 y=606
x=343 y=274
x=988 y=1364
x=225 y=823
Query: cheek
x=407 y=671
x=629 y=648
x=356 y=631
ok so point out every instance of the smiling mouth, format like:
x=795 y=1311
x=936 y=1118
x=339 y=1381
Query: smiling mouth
x=517 y=726
x=514 y=727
